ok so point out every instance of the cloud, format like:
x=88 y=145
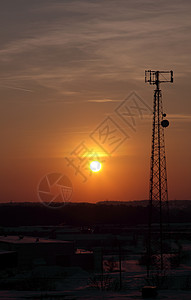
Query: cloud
x=16 y=88
x=180 y=117
x=77 y=45
x=101 y=100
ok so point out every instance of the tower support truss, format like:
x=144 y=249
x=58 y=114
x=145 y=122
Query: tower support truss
x=158 y=232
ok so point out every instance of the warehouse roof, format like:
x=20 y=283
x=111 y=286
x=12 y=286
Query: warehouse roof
x=28 y=240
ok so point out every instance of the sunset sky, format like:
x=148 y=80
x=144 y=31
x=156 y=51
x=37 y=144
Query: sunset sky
x=65 y=68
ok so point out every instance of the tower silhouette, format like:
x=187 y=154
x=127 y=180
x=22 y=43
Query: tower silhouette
x=158 y=232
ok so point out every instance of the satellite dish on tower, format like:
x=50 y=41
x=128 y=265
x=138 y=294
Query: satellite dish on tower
x=165 y=123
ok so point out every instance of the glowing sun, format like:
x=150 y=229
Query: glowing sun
x=95 y=166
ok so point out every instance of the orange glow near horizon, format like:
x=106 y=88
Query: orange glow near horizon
x=72 y=90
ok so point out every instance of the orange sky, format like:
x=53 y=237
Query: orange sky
x=65 y=68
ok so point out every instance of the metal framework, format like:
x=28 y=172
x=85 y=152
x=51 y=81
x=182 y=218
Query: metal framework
x=157 y=248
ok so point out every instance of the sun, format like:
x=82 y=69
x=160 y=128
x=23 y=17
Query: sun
x=95 y=166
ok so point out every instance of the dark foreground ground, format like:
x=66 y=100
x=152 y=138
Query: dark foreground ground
x=94 y=295
x=118 y=230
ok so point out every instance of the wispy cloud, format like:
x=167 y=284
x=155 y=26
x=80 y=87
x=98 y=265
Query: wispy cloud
x=101 y=100
x=16 y=88
x=73 y=47
x=180 y=117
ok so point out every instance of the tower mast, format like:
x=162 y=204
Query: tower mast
x=158 y=194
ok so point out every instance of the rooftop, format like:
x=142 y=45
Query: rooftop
x=28 y=240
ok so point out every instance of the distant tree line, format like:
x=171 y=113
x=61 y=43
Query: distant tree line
x=83 y=214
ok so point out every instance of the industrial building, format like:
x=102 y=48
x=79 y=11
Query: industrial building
x=30 y=251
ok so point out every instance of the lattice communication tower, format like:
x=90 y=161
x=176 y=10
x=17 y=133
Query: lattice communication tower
x=158 y=246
